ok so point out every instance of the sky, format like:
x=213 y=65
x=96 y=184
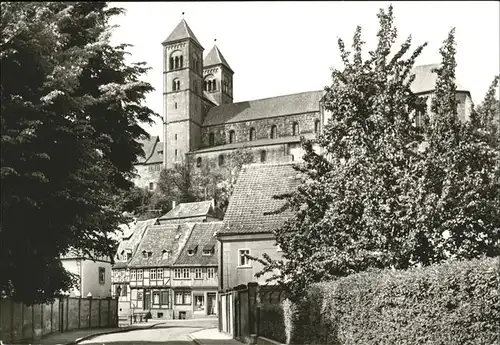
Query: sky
x=279 y=48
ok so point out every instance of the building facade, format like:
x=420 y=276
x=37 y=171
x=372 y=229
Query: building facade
x=247 y=228
x=94 y=274
x=203 y=126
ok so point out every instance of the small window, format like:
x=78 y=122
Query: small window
x=151 y=185
x=156 y=297
x=211 y=139
x=124 y=290
x=198 y=162
x=316 y=126
x=175 y=136
x=197 y=273
x=295 y=128
x=252 y=134
x=185 y=273
x=243 y=259
x=274 y=132
x=210 y=273
x=177 y=273
x=418 y=118
x=159 y=273
x=175 y=154
x=133 y=275
x=139 y=274
x=175 y=105
x=102 y=275
x=144 y=254
x=263 y=156
x=221 y=160
x=231 y=137
x=165 y=254
x=152 y=274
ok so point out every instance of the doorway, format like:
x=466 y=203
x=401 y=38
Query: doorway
x=211 y=303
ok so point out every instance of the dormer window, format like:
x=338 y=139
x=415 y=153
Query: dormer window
x=191 y=251
x=165 y=254
x=208 y=249
x=144 y=254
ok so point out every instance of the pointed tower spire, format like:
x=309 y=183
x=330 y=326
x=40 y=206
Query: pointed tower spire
x=182 y=31
x=215 y=57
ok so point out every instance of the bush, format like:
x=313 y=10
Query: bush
x=451 y=303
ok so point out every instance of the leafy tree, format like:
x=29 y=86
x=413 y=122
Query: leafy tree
x=71 y=109
x=184 y=183
x=459 y=204
x=488 y=113
x=355 y=209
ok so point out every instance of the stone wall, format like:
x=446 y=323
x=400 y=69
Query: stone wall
x=20 y=322
x=262 y=127
x=146 y=176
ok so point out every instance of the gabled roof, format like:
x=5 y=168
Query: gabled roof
x=202 y=236
x=425 y=79
x=132 y=235
x=194 y=209
x=160 y=238
x=253 y=196
x=182 y=31
x=298 y=103
x=215 y=57
x=152 y=148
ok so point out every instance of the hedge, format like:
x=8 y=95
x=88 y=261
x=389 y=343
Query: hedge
x=450 y=303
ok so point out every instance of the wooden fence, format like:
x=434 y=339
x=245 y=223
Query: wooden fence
x=19 y=322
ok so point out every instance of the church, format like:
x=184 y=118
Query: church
x=203 y=126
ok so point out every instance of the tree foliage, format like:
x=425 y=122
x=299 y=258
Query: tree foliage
x=371 y=196
x=187 y=183
x=71 y=109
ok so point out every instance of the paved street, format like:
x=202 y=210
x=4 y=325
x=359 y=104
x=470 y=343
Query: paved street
x=172 y=332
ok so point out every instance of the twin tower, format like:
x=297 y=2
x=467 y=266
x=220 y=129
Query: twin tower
x=191 y=86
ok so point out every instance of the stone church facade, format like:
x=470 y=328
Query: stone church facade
x=203 y=126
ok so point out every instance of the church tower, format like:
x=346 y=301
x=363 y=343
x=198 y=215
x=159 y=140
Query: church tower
x=217 y=77
x=182 y=94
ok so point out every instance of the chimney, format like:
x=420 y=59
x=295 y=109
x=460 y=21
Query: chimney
x=173 y=204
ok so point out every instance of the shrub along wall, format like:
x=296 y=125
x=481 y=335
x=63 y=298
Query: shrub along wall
x=451 y=303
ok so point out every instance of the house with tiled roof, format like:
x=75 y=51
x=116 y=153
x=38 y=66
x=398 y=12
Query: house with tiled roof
x=200 y=211
x=148 y=166
x=129 y=238
x=249 y=221
x=149 y=268
x=194 y=273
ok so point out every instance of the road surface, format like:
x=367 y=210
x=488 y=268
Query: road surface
x=174 y=332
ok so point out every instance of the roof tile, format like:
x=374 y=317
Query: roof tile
x=253 y=196
x=181 y=31
x=305 y=102
x=202 y=236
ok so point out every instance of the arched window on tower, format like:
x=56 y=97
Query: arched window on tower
x=221 y=160
x=214 y=85
x=181 y=62
x=176 y=62
x=295 y=128
x=252 y=134
x=176 y=84
x=274 y=132
x=211 y=139
x=263 y=156
x=171 y=63
x=316 y=126
x=231 y=137
x=209 y=82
